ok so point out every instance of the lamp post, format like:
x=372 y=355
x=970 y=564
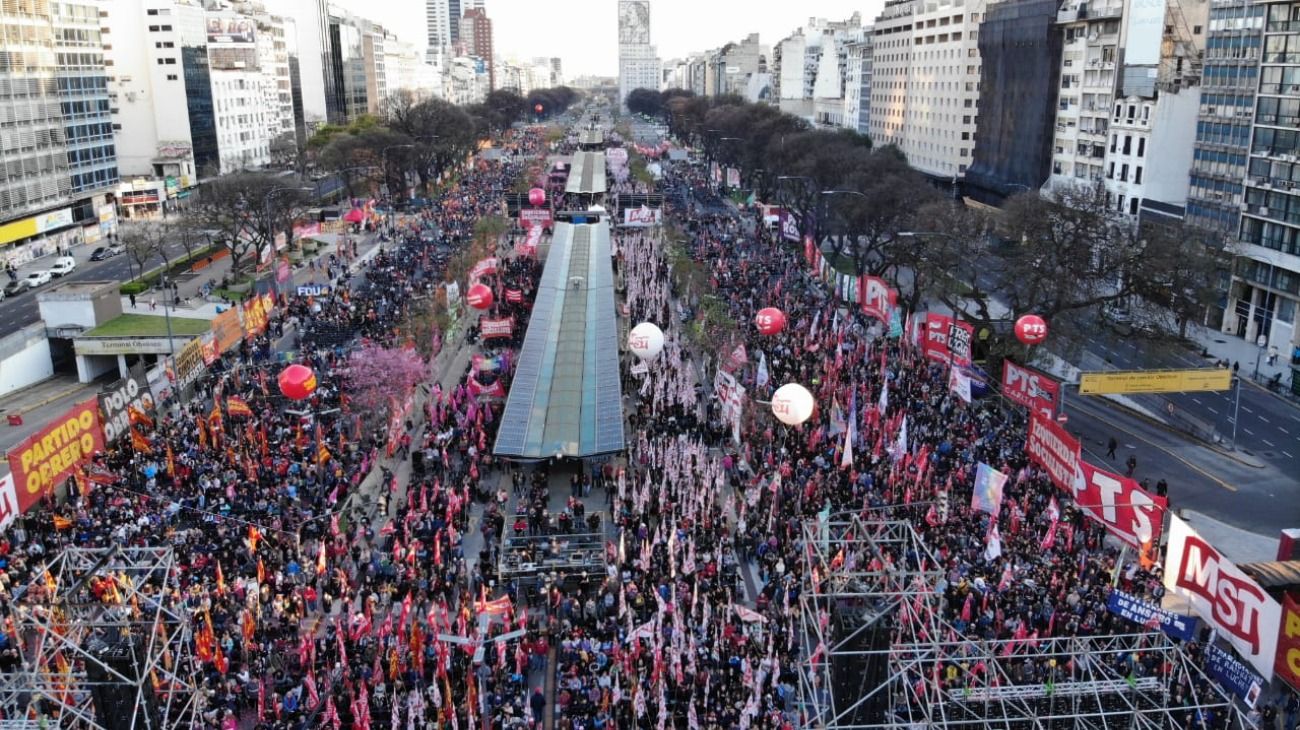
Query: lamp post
x=1261 y=342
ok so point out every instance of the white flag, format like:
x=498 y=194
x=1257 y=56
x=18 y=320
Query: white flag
x=884 y=397
x=847 y=460
x=994 y=549
x=763 y=376
x=900 y=446
x=959 y=383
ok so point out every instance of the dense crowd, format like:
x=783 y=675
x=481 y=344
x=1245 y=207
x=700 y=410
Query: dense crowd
x=312 y=614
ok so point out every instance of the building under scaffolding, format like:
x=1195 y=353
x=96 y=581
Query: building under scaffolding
x=104 y=640
x=878 y=653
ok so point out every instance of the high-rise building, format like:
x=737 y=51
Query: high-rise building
x=809 y=68
x=476 y=39
x=731 y=67
x=638 y=66
x=1229 y=80
x=57 y=144
x=1020 y=54
x=438 y=23
x=857 y=83
x=891 y=70
x=1088 y=79
x=1265 y=290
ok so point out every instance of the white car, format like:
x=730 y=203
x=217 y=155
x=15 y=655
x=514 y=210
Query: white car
x=37 y=278
x=63 y=265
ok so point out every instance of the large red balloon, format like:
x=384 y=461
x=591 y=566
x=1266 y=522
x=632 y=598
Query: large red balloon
x=297 y=382
x=479 y=296
x=770 y=320
x=538 y=108
x=536 y=196
x=1031 y=329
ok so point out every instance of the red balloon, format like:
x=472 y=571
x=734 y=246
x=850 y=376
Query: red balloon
x=538 y=108
x=1031 y=329
x=536 y=196
x=479 y=296
x=297 y=382
x=770 y=320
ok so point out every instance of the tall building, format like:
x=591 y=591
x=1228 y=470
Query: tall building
x=348 y=38
x=638 y=66
x=810 y=66
x=57 y=143
x=438 y=23
x=1088 y=79
x=891 y=70
x=731 y=67
x=1265 y=289
x=476 y=39
x=1020 y=54
x=857 y=83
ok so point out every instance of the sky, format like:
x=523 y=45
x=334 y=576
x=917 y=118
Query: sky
x=527 y=28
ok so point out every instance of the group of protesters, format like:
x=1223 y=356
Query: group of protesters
x=316 y=605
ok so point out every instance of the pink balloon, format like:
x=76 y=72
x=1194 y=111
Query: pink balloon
x=536 y=196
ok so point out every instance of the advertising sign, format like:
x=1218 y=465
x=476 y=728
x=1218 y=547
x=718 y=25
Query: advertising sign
x=1131 y=513
x=534 y=217
x=133 y=391
x=1232 y=675
x=8 y=502
x=227 y=329
x=1051 y=447
x=503 y=327
x=46 y=458
x=1223 y=595
x=1038 y=392
x=1155 y=381
x=231 y=29
x=1287 y=664
x=789 y=226
x=1151 y=616
x=876 y=297
x=643 y=216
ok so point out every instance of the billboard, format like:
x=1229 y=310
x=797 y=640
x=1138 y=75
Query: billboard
x=231 y=29
x=642 y=216
x=633 y=22
x=1221 y=594
x=131 y=391
x=49 y=456
x=1155 y=381
x=1038 y=392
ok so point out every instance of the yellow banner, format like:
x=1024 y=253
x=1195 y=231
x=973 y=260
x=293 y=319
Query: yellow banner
x=1155 y=381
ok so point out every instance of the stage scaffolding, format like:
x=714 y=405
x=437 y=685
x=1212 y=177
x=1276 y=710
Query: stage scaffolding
x=878 y=653
x=104 y=638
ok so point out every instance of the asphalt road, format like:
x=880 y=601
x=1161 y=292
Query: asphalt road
x=1269 y=427
x=20 y=311
x=1262 y=499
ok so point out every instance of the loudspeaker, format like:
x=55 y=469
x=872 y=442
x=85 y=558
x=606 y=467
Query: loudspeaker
x=115 y=699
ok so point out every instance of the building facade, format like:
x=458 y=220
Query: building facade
x=476 y=39
x=57 y=143
x=1088 y=75
x=1020 y=54
x=857 y=85
x=638 y=66
x=891 y=51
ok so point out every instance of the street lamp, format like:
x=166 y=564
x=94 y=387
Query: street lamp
x=1261 y=342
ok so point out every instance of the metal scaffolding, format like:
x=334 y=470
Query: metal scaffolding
x=103 y=626
x=878 y=653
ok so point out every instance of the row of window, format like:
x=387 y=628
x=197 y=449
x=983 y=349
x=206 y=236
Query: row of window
x=92 y=179
x=1275 y=142
x=1223 y=133
x=1271 y=235
x=1279 y=206
x=1229 y=74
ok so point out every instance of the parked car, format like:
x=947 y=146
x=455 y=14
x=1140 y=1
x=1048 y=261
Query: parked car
x=37 y=278
x=62 y=266
x=1119 y=319
x=14 y=288
x=105 y=252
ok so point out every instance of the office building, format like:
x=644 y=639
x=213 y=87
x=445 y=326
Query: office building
x=891 y=71
x=731 y=68
x=857 y=83
x=1091 y=36
x=638 y=66
x=476 y=39
x=1020 y=58
x=57 y=143
x=809 y=68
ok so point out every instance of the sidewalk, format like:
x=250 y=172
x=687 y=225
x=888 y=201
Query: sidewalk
x=1222 y=345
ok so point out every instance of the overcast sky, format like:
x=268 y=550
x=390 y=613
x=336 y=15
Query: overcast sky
x=584 y=33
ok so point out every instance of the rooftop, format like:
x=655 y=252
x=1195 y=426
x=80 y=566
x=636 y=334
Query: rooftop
x=147 y=325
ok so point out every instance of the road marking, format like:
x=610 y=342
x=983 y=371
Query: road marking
x=1283 y=430
x=1265 y=420
x=1212 y=409
x=1247 y=409
x=1197 y=401
x=1267 y=443
x=1248 y=431
x=1287 y=454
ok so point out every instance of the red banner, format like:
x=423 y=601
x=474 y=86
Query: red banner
x=534 y=217
x=1287 y=665
x=514 y=296
x=1038 y=392
x=876 y=298
x=1131 y=513
x=504 y=327
x=486 y=267
x=478 y=390
x=46 y=458
x=810 y=252
x=934 y=336
x=1053 y=448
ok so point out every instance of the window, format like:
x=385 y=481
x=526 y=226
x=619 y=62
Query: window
x=171 y=77
x=1128 y=144
x=1133 y=206
x=1123 y=172
x=1137 y=175
x=1142 y=146
x=153 y=29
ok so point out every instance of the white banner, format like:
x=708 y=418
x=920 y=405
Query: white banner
x=642 y=216
x=1222 y=595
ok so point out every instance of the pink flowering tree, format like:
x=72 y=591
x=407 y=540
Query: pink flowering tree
x=375 y=373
